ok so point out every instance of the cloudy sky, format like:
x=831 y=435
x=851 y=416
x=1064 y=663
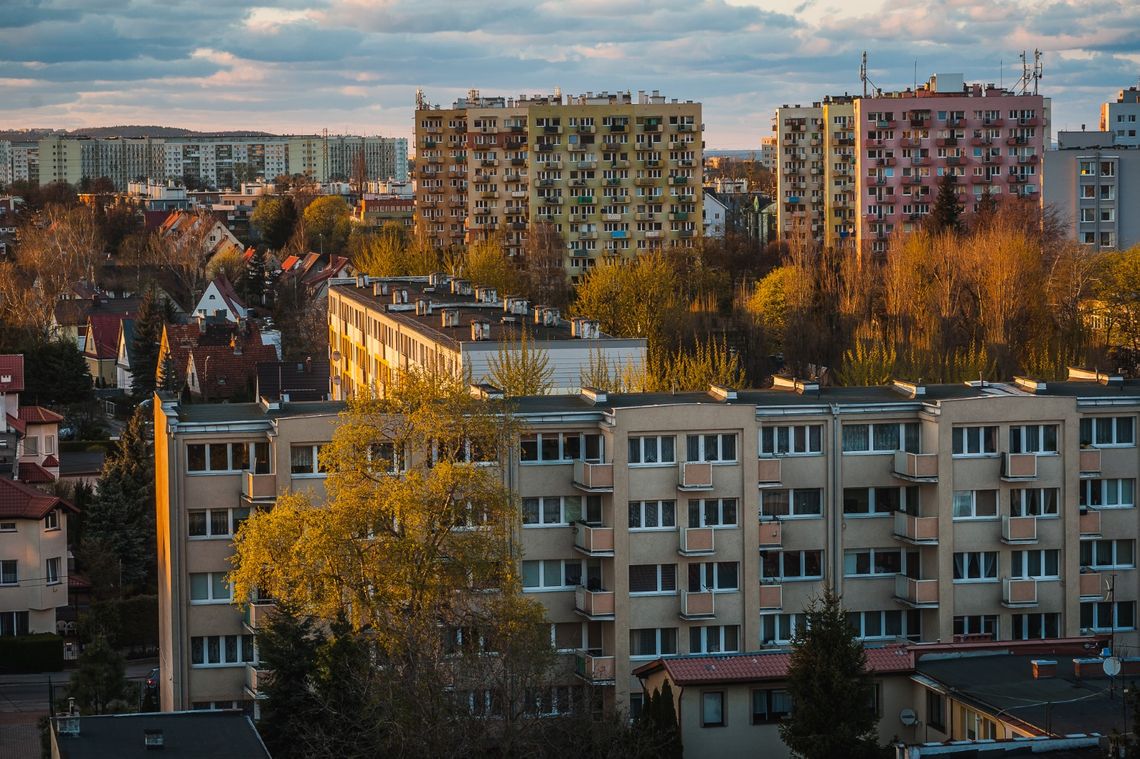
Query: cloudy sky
x=354 y=65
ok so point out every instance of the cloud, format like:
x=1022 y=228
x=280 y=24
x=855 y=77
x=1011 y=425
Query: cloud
x=300 y=65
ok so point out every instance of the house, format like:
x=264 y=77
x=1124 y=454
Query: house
x=123 y=355
x=28 y=434
x=101 y=346
x=716 y=215
x=212 y=234
x=313 y=272
x=221 y=299
x=217 y=734
x=70 y=315
x=11 y=384
x=215 y=359
x=293 y=381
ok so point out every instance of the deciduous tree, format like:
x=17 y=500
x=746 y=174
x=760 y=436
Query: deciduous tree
x=328 y=221
x=274 y=219
x=520 y=368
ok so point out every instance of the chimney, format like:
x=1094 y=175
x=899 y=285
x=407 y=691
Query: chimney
x=153 y=739
x=449 y=317
x=480 y=329
x=1043 y=669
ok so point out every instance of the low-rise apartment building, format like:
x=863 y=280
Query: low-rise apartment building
x=666 y=524
x=1088 y=183
x=1120 y=117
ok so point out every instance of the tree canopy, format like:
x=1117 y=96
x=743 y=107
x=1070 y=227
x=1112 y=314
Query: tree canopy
x=328 y=222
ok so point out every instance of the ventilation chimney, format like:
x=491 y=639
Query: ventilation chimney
x=379 y=288
x=449 y=317
x=423 y=307
x=593 y=395
x=1043 y=669
x=480 y=329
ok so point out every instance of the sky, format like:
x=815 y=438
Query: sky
x=353 y=66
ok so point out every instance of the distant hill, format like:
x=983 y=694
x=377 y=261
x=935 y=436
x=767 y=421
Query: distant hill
x=130 y=130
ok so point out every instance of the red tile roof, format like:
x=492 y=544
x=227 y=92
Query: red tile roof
x=231 y=373
x=38 y=415
x=50 y=462
x=18 y=501
x=11 y=367
x=104 y=329
x=764 y=665
x=228 y=293
x=17 y=424
x=34 y=474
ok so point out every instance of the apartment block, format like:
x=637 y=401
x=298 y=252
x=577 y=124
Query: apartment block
x=990 y=139
x=702 y=523
x=800 y=166
x=613 y=175
x=347 y=157
x=1089 y=183
x=1122 y=116
x=381 y=327
x=839 y=220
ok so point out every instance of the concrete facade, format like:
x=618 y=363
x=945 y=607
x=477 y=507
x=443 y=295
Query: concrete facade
x=1092 y=182
x=1122 y=117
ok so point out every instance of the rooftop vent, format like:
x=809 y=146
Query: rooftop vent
x=1029 y=385
x=423 y=307
x=460 y=287
x=1077 y=374
x=796 y=385
x=379 y=288
x=153 y=739
x=438 y=279
x=593 y=395
x=485 y=294
x=546 y=316
x=908 y=389
x=1044 y=669
x=485 y=391
x=513 y=304
x=722 y=392
x=585 y=329
x=400 y=295
x=362 y=280
x=480 y=329
x=449 y=317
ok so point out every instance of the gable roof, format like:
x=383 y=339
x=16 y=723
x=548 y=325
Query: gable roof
x=38 y=415
x=763 y=665
x=16 y=423
x=34 y=474
x=18 y=501
x=302 y=381
x=227 y=293
x=125 y=345
x=103 y=335
x=11 y=373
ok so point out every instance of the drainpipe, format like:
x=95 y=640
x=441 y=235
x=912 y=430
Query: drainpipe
x=836 y=521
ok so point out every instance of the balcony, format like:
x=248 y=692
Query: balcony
x=771 y=534
x=596 y=670
x=771 y=596
x=1092 y=586
x=1018 y=593
x=768 y=472
x=697 y=604
x=1017 y=530
x=917 y=594
x=616 y=127
x=1089 y=521
x=696 y=541
x=1090 y=462
x=258 y=487
x=694 y=475
x=922 y=531
x=593 y=540
x=257 y=613
x=594 y=605
x=678 y=216
x=1016 y=467
x=254 y=678
x=916 y=467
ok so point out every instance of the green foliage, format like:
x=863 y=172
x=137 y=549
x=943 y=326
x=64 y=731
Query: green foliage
x=125 y=623
x=328 y=221
x=636 y=299
x=867 y=363
x=830 y=687
x=288 y=648
x=251 y=284
x=167 y=376
x=485 y=263
x=519 y=368
x=709 y=363
x=55 y=373
x=599 y=373
x=42 y=652
x=274 y=219
x=144 y=346
x=658 y=724
x=382 y=253
x=99 y=686
x=946 y=214
x=769 y=302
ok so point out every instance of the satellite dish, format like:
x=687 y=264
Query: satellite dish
x=1112 y=666
x=908 y=717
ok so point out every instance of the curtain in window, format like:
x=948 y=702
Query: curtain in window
x=959 y=566
x=301 y=459
x=886 y=437
x=989 y=564
x=856 y=437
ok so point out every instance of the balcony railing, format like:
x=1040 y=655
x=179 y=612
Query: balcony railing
x=698 y=604
x=1092 y=585
x=1019 y=466
x=694 y=475
x=696 y=541
x=594 y=604
x=1090 y=462
x=1016 y=593
x=256 y=614
x=597 y=670
x=918 y=530
x=1089 y=521
x=771 y=534
x=594 y=541
x=593 y=477
x=768 y=472
x=919 y=594
x=254 y=679
x=771 y=596
x=916 y=467
x=258 y=486
x=1018 y=529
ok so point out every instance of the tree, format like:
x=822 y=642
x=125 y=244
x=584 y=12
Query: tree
x=946 y=215
x=288 y=647
x=328 y=221
x=229 y=263
x=658 y=723
x=485 y=263
x=543 y=261
x=55 y=373
x=769 y=303
x=121 y=516
x=99 y=685
x=830 y=688
x=636 y=299
x=519 y=368
x=183 y=254
x=251 y=283
x=144 y=346
x=274 y=219
x=381 y=253
x=167 y=375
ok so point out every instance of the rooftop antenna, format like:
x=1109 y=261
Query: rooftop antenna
x=1038 y=69
x=916 y=75
x=865 y=79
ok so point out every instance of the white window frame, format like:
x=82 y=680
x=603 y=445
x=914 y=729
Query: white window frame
x=14 y=574
x=721 y=503
x=1114 y=551
x=977 y=624
x=792 y=513
x=229 y=446
x=985 y=444
x=659 y=649
x=871 y=553
x=660 y=589
x=871 y=449
x=976 y=559
x=872 y=511
x=210 y=598
x=562 y=563
x=245 y=647
x=654 y=443
x=1111 y=489
x=663 y=505
x=1114 y=610
x=973 y=515
x=797 y=440
x=709 y=575
x=7 y=527
x=717 y=636
x=315 y=471
x=1019 y=438
x=864 y=616
x=232 y=523
x=1019 y=501
x=782 y=578
x=1095 y=422
x=1019 y=564
x=562 y=456
x=1042 y=618
x=51 y=520
x=719 y=455
x=563 y=511
x=53 y=568
x=784 y=625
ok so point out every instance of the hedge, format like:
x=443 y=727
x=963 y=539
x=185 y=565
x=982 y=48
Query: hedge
x=42 y=652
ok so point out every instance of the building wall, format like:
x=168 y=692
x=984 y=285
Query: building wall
x=839 y=172
x=799 y=153
x=1111 y=176
x=31 y=544
x=1122 y=117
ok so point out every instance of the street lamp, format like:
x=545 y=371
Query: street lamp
x=205 y=374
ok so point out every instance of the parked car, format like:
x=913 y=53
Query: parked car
x=152 y=681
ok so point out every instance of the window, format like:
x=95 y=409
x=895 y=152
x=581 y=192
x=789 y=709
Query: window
x=770 y=706
x=977 y=624
x=936 y=710
x=305 y=460
x=791 y=504
x=975 y=504
x=51 y=521
x=31 y=446
x=776 y=629
x=215 y=523
x=560 y=447
x=566 y=636
x=879 y=501
x=210 y=588
x=553 y=510
x=53 y=571
x=1104 y=431
x=712 y=512
x=714 y=639
x=791 y=565
x=1034 y=626
x=551 y=574
x=1108 y=615
x=1108 y=554
x=653 y=578
x=791 y=440
x=221 y=650
x=1033 y=438
x=651 y=642
x=974 y=441
x=976 y=726
x=712 y=709
x=712 y=447
x=652 y=515
x=885 y=625
x=1107 y=494
x=387 y=457
x=7 y=526
x=218 y=457
x=876 y=562
x=1033 y=502
x=977 y=566
x=8 y=575
x=658 y=449
x=1036 y=565
x=714 y=575
x=880 y=438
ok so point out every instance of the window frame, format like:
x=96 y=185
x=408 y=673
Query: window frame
x=987 y=435
x=772 y=716
x=210 y=599
x=206 y=447
x=1024 y=501
x=660 y=576
x=1019 y=563
x=905 y=432
x=1115 y=544
x=231 y=522
x=717 y=697
x=641 y=442
x=972 y=559
x=782 y=578
x=1114 y=608
x=1021 y=431
x=812 y=446
x=317 y=470
x=641 y=508
x=1085 y=492
x=702 y=454
x=1094 y=422
x=792 y=503
x=14 y=574
x=661 y=633
x=244 y=645
x=973 y=516
x=543 y=588
x=719 y=633
x=702 y=513
x=562 y=455
x=51 y=520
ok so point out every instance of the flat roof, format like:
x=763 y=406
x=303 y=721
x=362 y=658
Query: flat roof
x=216 y=734
x=220 y=413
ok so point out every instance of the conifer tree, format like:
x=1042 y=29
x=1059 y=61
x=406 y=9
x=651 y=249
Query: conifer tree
x=946 y=215
x=167 y=379
x=252 y=282
x=288 y=648
x=144 y=346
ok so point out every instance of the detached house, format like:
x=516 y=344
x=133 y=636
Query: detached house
x=101 y=346
x=221 y=299
x=214 y=359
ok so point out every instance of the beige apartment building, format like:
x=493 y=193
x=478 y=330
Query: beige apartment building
x=614 y=175
x=699 y=523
